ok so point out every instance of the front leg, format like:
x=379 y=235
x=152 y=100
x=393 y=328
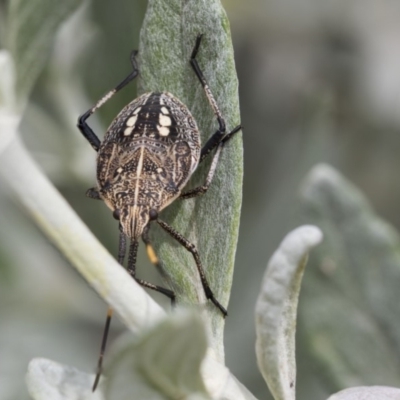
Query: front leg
x=215 y=140
x=83 y=126
x=200 y=190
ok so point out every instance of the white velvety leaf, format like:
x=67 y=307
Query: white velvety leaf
x=220 y=382
x=171 y=360
x=368 y=393
x=48 y=380
x=164 y=363
x=276 y=311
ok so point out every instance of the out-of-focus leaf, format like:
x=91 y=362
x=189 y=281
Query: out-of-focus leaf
x=31 y=26
x=7 y=81
x=220 y=381
x=350 y=302
x=368 y=393
x=276 y=311
x=9 y=119
x=162 y=364
x=48 y=380
x=170 y=361
x=211 y=222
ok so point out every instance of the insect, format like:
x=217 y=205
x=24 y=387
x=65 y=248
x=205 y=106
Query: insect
x=147 y=156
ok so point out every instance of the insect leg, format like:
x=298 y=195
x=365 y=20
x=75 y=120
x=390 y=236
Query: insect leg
x=199 y=190
x=151 y=254
x=121 y=256
x=215 y=140
x=220 y=135
x=192 y=249
x=86 y=130
x=132 y=271
x=196 y=68
x=203 y=188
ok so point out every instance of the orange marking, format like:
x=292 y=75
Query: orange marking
x=151 y=254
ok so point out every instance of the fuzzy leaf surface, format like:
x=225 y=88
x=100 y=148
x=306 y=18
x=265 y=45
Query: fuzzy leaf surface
x=48 y=380
x=211 y=222
x=163 y=363
x=276 y=311
x=367 y=393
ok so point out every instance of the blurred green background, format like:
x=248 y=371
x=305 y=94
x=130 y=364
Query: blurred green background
x=319 y=82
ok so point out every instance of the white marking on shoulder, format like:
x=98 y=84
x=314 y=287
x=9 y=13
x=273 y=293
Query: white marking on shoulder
x=119 y=170
x=128 y=131
x=132 y=120
x=163 y=130
x=164 y=110
x=164 y=120
x=136 y=112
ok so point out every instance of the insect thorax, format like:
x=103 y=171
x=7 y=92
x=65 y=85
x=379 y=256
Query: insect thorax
x=147 y=156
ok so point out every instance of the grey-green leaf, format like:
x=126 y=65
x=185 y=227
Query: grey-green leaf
x=31 y=26
x=350 y=302
x=276 y=311
x=48 y=380
x=164 y=363
x=211 y=222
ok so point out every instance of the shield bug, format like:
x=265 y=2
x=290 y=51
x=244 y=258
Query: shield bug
x=146 y=158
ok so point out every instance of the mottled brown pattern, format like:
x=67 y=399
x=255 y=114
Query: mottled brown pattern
x=143 y=165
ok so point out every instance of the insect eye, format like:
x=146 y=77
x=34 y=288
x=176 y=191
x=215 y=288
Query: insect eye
x=153 y=214
x=116 y=214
